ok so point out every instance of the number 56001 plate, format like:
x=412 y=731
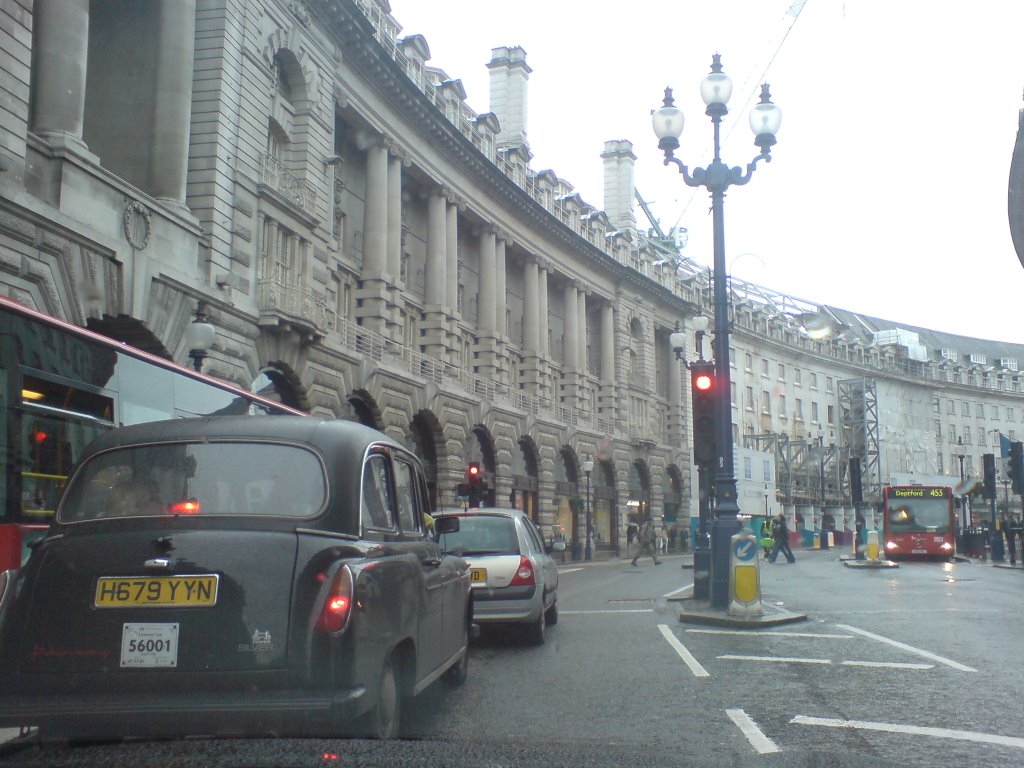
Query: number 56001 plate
x=149 y=645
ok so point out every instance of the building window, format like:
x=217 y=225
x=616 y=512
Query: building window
x=1009 y=414
x=798 y=377
x=966 y=408
x=748 y=362
x=995 y=412
x=764 y=367
x=766 y=469
x=748 y=471
x=814 y=413
x=828 y=383
x=951 y=407
x=750 y=398
x=831 y=414
x=814 y=381
x=766 y=401
x=782 y=372
x=952 y=433
x=782 y=406
x=799 y=412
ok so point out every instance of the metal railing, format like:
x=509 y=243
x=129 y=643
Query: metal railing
x=296 y=301
x=287 y=184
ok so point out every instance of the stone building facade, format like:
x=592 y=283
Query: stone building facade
x=368 y=247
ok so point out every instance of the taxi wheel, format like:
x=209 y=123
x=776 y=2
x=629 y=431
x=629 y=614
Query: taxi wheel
x=535 y=632
x=551 y=616
x=383 y=720
x=456 y=674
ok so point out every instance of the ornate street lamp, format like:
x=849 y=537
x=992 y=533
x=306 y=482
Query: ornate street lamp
x=588 y=467
x=199 y=336
x=765 y=120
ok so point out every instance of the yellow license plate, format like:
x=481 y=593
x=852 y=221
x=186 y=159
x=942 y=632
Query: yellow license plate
x=477 y=575
x=156 y=591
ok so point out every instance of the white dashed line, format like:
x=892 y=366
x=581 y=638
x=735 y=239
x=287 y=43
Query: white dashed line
x=755 y=736
x=568 y=570
x=915 y=730
x=677 y=591
x=684 y=654
x=611 y=610
x=888 y=664
x=783 y=659
x=821 y=635
x=909 y=648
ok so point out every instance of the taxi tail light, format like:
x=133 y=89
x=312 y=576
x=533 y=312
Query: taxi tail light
x=338 y=604
x=186 y=507
x=524 y=573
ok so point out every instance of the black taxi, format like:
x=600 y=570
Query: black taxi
x=233 y=575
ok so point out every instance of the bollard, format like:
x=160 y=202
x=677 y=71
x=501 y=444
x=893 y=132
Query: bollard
x=831 y=539
x=873 y=546
x=816 y=542
x=744 y=576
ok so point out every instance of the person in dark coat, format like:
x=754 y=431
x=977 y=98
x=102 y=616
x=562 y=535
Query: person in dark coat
x=647 y=539
x=781 y=533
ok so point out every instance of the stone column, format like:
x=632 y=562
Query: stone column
x=172 y=91
x=452 y=258
x=531 y=310
x=486 y=293
x=607 y=397
x=581 y=304
x=544 y=349
x=375 y=230
x=500 y=288
x=394 y=224
x=60 y=52
x=570 y=335
x=436 y=252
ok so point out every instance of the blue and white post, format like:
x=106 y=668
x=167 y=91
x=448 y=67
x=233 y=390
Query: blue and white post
x=744 y=575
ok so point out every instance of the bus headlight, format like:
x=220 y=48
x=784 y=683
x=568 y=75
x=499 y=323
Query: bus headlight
x=947 y=546
x=890 y=545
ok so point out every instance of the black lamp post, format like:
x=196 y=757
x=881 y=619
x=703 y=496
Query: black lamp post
x=964 y=513
x=199 y=336
x=702 y=542
x=765 y=119
x=588 y=467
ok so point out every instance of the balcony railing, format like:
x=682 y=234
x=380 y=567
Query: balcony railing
x=288 y=185
x=296 y=302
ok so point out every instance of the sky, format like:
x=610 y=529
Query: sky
x=887 y=190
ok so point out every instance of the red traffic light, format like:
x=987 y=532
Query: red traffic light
x=703 y=382
x=474 y=470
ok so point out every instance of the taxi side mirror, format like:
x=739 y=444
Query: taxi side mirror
x=446 y=524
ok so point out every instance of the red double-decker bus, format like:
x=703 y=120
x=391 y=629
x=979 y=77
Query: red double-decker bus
x=918 y=521
x=61 y=386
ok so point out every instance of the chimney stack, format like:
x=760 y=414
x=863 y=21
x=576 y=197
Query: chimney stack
x=509 y=73
x=618 y=183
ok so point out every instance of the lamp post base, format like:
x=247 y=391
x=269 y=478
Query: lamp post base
x=702 y=568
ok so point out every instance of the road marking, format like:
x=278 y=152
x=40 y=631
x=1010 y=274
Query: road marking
x=888 y=664
x=785 y=659
x=613 y=610
x=676 y=592
x=684 y=654
x=569 y=570
x=909 y=648
x=915 y=730
x=755 y=736
x=822 y=635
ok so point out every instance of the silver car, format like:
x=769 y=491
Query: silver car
x=514 y=579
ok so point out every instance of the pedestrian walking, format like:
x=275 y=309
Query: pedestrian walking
x=767 y=540
x=646 y=542
x=780 y=531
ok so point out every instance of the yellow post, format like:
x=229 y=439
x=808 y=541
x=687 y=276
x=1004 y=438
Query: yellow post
x=873 y=546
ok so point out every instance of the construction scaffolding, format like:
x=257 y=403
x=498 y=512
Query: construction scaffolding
x=858 y=406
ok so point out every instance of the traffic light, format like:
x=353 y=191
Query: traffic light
x=989 y=462
x=704 y=393
x=1017 y=466
x=474 y=479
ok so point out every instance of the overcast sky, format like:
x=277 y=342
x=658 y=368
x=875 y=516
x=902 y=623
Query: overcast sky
x=887 y=192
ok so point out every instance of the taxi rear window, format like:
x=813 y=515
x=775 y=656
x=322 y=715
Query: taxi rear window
x=207 y=478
